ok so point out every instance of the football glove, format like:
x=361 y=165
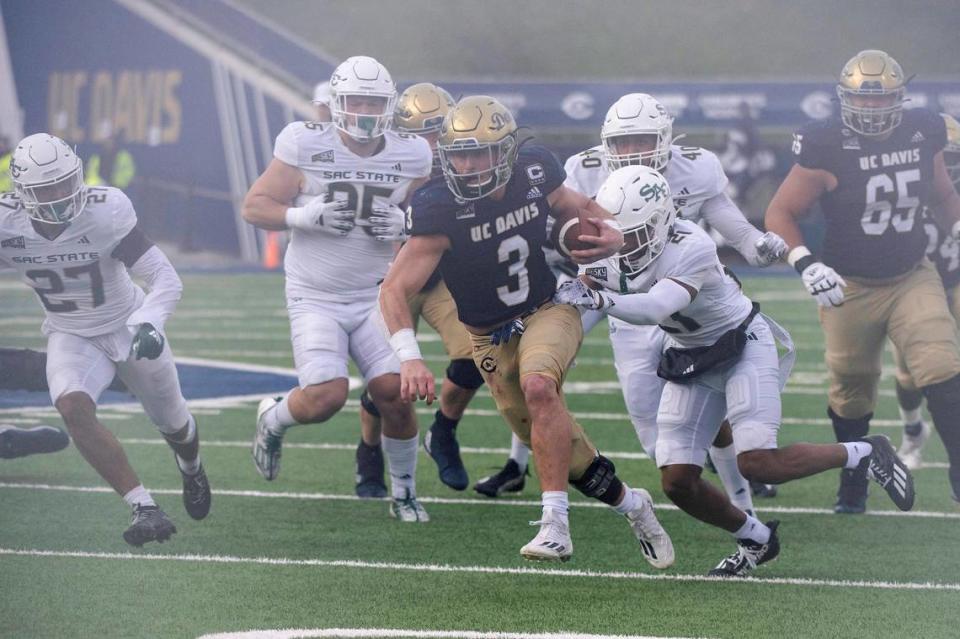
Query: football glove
x=824 y=284
x=147 y=342
x=316 y=215
x=578 y=294
x=770 y=249
x=503 y=334
x=387 y=223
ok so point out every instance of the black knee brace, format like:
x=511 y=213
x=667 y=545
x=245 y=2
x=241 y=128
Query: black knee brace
x=943 y=402
x=909 y=399
x=23 y=369
x=368 y=404
x=464 y=373
x=848 y=430
x=600 y=481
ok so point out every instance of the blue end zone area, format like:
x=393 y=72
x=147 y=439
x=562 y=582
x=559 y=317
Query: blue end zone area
x=198 y=381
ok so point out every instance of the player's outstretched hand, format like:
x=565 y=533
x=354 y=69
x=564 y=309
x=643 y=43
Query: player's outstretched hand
x=824 y=284
x=607 y=243
x=387 y=223
x=328 y=217
x=416 y=381
x=770 y=249
x=578 y=294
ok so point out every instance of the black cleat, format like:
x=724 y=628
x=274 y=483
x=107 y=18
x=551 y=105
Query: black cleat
x=370 y=484
x=196 y=494
x=508 y=480
x=766 y=491
x=20 y=442
x=441 y=444
x=749 y=555
x=149 y=523
x=884 y=467
x=852 y=493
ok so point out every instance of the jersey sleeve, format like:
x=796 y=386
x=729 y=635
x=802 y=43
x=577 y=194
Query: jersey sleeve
x=425 y=155
x=425 y=215
x=809 y=148
x=697 y=262
x=542 y=168
x=287 y=148
x=715 y=179
x=936 y=128
x=124 y=216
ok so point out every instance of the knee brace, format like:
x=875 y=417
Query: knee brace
x=943 y=401
x=368 y=404
x=909 y=398
x=600 y=481
x=23 y=369
x=848 y=430
x=465 y=374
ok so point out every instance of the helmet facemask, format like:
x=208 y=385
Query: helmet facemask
x=474 y=185
x=871 y=120
x=360 y=124
x=56 y=201
x=656 y=158
x=644 y=243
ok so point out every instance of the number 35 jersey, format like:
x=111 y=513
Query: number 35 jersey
x=874 y=225
x=326 y=267
x=78 y=276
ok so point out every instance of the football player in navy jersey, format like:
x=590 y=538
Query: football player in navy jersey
x=486 y=227
x=874 y=170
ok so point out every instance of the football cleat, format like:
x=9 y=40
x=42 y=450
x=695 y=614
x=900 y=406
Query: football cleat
x=266 y=443
x=653 y=539
x=553 y=542
x=852 y=493
x=888 y=470
x=149 y=523
x=370 y=484
x=759 y=489
x=441 y=444
x=20 y=442
x=749 y=555
x=196 y=493
x=408 y=510
x=510 y=479
x=915 y=436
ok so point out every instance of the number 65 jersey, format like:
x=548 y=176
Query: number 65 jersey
x=874 y=216
x=79 y=276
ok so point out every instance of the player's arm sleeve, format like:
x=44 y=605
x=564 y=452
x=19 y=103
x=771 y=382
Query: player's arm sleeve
x=808 y=150
x=286 y=147
x=665 y=298
x=163 y=285
x=722 y=213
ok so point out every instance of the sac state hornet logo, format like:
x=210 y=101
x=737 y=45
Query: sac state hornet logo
x=15 y=170
x=14 y=242
x=324 y=156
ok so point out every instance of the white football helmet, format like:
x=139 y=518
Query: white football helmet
x=48 y=176
x=640 y=201
x=637 y=114
x=361 y=76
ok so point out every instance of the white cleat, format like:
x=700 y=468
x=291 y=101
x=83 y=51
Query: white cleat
x=408 y=510
x=553 y=542
x=911 y=448
x=266 y=444
x=653 y=539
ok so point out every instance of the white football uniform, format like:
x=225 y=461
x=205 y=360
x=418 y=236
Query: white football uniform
x=88 y=297
x=686 y=417
x=332 y=282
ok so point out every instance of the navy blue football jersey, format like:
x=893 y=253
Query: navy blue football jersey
x=875 y=215
x=495 y=268
x=944 y=251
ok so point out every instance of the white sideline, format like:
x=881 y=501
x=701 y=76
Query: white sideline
x=529 y=503
x=490 y=570
x=349 y=633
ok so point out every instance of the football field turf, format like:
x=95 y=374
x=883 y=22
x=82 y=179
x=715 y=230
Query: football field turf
x=303 y=553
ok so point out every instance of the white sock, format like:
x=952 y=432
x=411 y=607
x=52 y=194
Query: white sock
x=754 y=530
x=139 y=495
x=191 y=467
x=557 y=501
x=279 y=418
x=401 y=457
x=736 y=485
x=519 y=452
x=855 y=452
x=912 y=416
x=630 y=501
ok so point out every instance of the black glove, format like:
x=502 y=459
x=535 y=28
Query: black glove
x=147 y=342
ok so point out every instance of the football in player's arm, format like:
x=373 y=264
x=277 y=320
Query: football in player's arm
x=874 y=170
x=77 y=247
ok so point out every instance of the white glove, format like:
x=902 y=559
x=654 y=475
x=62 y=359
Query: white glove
x=770 y=249
x=578 y=294
x=387 y=223
x=824 y=284
x=316 y=215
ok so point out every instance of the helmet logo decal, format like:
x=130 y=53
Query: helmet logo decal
x=15 y=170
x=497 y=121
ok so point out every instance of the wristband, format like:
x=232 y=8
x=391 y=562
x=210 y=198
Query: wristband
x=800 y=258
x=292 y=216
x=955 y=230
x=404 y=345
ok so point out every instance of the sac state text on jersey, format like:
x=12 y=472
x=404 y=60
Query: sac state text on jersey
x=495 y=268
x=874 y=216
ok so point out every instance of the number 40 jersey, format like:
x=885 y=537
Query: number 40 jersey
x=79 y=276
x=875 y=215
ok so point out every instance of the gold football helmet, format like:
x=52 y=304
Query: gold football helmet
x=477 y=147
x=871 y=91
x=951 y=152
x=420 y=111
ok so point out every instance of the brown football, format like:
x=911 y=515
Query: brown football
x=572 y=231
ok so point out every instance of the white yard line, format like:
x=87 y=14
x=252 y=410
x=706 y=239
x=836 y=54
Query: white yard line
x=486 y=570
x=350 y=633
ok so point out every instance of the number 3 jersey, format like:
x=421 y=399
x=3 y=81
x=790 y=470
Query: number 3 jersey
x=874 y=225
x=327 y=267
x=79 y=276
x=689 y=257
